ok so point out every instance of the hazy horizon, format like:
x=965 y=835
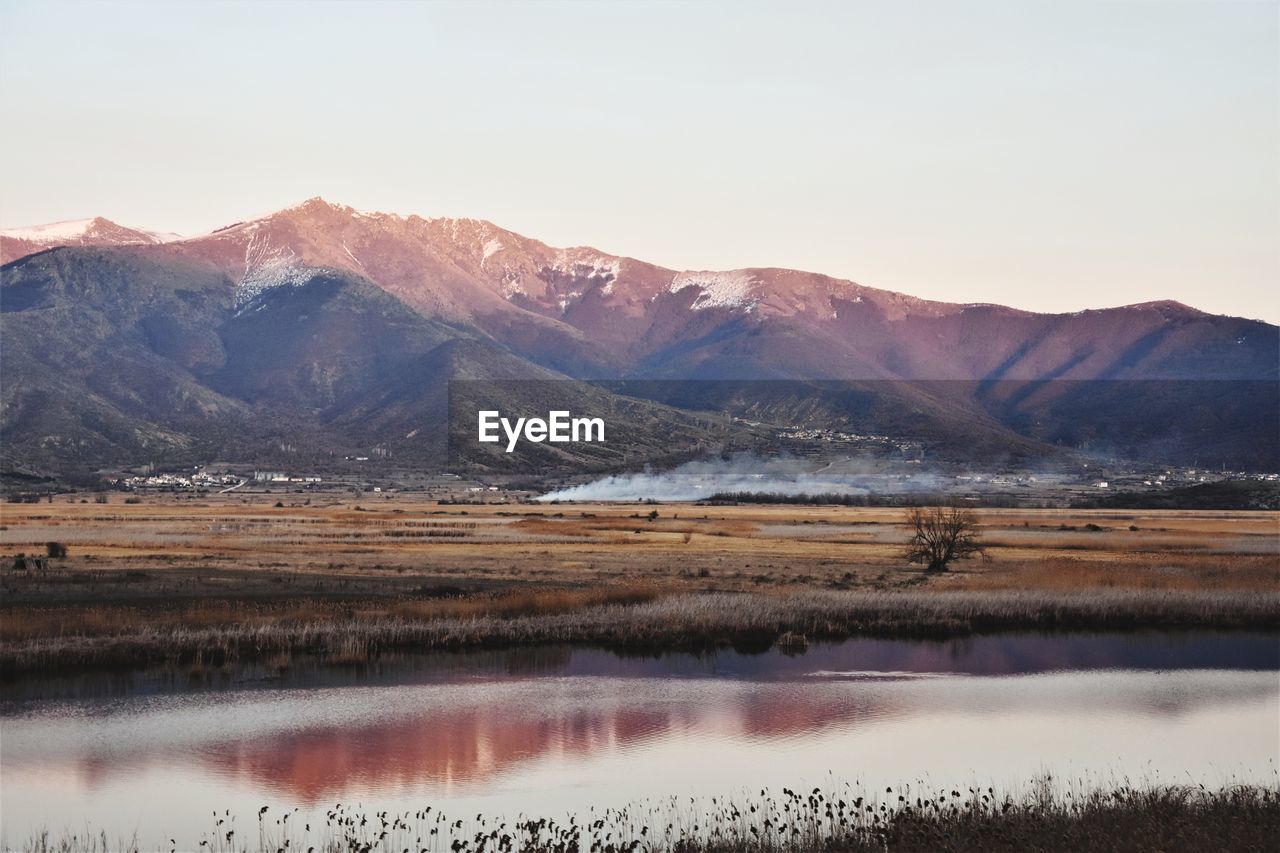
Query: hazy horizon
x=1047 y=157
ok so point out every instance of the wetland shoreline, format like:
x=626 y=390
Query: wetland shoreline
x=629 y=618
x=1042 y=816
x=210 y=583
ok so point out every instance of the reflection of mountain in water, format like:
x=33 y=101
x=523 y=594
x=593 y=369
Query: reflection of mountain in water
x=997 y=654
x=455 y=724
x=468 y=746
x=466 y=749
x=446 y=750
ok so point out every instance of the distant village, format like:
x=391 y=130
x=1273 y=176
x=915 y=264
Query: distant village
x=227 y=478
x=898 y=470
x=197 y=480
x=908 y=449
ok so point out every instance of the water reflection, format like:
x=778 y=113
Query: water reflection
x=446 y=751
x=998 y=654
x=563 y=729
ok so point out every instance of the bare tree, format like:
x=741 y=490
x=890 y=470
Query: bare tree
x=942 y=534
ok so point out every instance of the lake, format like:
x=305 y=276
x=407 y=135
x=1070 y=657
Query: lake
x=553 y=731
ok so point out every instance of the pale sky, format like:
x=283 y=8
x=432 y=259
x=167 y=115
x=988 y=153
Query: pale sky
x=1048 y=155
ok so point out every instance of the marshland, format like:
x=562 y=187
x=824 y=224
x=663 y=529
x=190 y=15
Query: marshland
x=222 y=579
x=568 y=733
x=1042 y=817
x=497 y=662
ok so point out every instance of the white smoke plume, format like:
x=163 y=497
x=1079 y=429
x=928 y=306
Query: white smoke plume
x=701 y=479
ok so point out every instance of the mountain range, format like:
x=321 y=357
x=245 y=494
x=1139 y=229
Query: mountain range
x=321 y=330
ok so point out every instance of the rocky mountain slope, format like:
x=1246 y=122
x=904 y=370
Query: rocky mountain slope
x=327 y=328
x=599 y=313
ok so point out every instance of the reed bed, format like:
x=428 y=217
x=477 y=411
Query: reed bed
x=840 y=819
x=636 y=618
x=34 y=622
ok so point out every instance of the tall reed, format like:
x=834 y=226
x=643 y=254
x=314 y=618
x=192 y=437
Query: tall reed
x=638 y=619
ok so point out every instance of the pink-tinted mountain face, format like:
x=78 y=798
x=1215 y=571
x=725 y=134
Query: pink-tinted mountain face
x=593 y=313
x=19 y=242
x=349 y=325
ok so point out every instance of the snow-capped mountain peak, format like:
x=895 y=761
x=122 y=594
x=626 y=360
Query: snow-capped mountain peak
x=96 y=231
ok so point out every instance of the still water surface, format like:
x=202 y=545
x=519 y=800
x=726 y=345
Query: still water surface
x=553 y=731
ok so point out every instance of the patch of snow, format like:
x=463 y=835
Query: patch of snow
x=267 y=267
x=582 y=264
x=734 y=289
x=598 y=266
x=568 y=299
x=491 y=247
x=73 y=230
x=512 y=283
x=351 y=256
x=373 y=215
x=66 y=230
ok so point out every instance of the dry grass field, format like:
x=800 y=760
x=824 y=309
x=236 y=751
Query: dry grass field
x=228 y=545
x=242 y=563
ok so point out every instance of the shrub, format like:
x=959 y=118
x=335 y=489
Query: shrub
x=942 y=534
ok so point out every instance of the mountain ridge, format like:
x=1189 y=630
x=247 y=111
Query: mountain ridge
x=571 y=255
x=587 y=312
x=297 y=319
x=16 y=243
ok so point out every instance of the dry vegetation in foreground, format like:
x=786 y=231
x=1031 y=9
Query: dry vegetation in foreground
x=222 y=579
x=627 y=618
x=1169 y=819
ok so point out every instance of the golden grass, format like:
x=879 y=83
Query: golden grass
x=1139 y=571
x=100 y=620
x=240 y=564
